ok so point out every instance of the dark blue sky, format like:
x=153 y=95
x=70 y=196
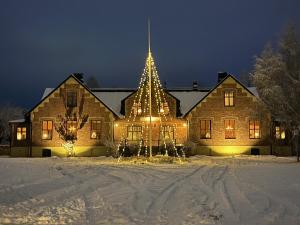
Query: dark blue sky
x=42 y=42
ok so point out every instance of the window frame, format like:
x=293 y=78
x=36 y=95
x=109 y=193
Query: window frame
x=131 y=130
x=255 y=129
x=72 y=122
x=49 y=137
x=231 y=96
x=74 y=103
x=281 y=130
x=97 y=130
x=226 y=135
x=207 y=129
x=23 y=130
x=163 y=131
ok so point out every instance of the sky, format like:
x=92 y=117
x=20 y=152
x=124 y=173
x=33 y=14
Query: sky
x=42 y=42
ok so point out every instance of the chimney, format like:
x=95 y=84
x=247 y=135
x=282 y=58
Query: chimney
x=195 y=85
x=221 y=76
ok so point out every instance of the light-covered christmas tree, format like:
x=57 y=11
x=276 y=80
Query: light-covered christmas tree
x=150 y=108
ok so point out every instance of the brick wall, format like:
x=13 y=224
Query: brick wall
x=246 y=107
x=54 y=106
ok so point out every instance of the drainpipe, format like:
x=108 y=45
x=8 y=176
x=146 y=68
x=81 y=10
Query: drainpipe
x=30 y=147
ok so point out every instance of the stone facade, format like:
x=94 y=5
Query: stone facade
x=114 y=128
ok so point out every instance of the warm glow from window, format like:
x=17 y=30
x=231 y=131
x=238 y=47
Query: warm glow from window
x=166 y=132
x=279 y=133
x=205 y=129
x=134 y=133
x=254 y=129
x=47 y=128
x=95 y=129
x=137 y=108
x=228 y=98
x=164 y=108
x=72 y=127
x=229 y=129
x=21 y=133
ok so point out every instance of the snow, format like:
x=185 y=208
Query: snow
x=113 y=99
x=253 y=90
x=17 y=121
x=205 y=190
x=188 y=99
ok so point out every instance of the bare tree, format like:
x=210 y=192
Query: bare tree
x=78 y=119
x=8 y=112
x=276 y=75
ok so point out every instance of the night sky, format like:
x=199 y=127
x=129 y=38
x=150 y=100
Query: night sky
x=42 y=42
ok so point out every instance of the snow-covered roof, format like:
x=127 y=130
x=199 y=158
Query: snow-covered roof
x=254 y=91
x=47 y=92
x=17 y=121
x=112 y=99
x=188 y=99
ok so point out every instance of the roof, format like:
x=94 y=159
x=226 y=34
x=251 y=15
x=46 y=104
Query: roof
x=113 y=99
x=49 y=91
x=17 y=121
x=188 y=97
x=225 y=78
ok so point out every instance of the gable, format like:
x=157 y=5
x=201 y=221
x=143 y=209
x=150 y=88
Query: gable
x=71 y=80
x=228 y=81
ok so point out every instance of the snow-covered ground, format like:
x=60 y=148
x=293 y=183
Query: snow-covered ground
x=206 y=190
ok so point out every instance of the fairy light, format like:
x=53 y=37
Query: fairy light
x=149 y=95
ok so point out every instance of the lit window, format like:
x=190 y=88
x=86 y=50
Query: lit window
x=228 y=98
x=72 y=128
x=254 y=129
x=21 y=133
x=71 y=99
x=95 y=129
x=137 y=108
x=134 y=133
x=279 y=133
x=229 y=129
x=164 y=108
x=205 y=129
x=167 y=133
x=47 y=128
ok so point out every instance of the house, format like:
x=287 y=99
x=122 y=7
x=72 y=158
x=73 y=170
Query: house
x=224 y=120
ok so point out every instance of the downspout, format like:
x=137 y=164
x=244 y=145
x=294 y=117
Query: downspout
x=11 y=136
x=30 y=145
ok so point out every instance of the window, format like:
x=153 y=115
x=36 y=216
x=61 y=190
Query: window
x=229 y=129
x=95 y=129
x=47 y=128
x=72 y=128
x=21 y=133
x=164 y=108
x=134 y=133
x=137 y=108
x=71 y=99
x=167 y=133
x=279 y=132
x=205 y=129
x=228 y=98
x=254 y=129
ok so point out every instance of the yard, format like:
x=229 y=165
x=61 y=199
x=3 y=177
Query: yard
x=206 y=190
